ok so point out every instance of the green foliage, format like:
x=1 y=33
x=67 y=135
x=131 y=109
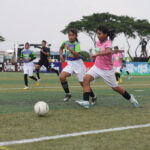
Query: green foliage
x=129 y=26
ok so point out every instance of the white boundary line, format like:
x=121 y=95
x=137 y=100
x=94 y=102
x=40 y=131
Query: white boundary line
x=59 y=87
x=23 y=141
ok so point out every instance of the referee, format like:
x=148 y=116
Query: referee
x=44 y=55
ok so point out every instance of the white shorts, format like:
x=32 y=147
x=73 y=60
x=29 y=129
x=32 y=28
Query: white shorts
x=107 y=75
x=28 y=68
x=117 y=69
x=76 y=67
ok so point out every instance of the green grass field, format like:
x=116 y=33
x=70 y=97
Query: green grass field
x=18 y=121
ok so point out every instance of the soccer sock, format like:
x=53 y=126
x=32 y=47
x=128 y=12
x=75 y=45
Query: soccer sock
x=92 y=93
x=34 y=78
x=117 y=76
x=126 y=95
x=128 y=72
x=26 y=79
x=54 y=70
x=86 y=96
x=37 y=73
x=65 y=87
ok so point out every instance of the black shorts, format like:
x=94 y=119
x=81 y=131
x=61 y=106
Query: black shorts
x=44 y=63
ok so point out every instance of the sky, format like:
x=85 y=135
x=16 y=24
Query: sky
x=35 y=20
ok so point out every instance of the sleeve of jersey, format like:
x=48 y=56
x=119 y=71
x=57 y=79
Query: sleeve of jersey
x=77 y=48
x=108 y=44
x=21 y=55
x=48 y=50
x=33 y=56
x=63 y=45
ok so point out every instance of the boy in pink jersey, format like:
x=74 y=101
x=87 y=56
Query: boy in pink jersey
x=117 y=63
x=103 y=68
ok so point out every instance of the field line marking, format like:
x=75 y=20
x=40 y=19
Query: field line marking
x=57 y=87
x=23 y=141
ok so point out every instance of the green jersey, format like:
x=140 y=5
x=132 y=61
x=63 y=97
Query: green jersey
x=26 y=55
x=75 y=46
x=149 y=61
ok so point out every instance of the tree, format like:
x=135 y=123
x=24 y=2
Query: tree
x=88 y=24
x=142 y=28
x=129 y=26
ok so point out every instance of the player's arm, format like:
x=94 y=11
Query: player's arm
x=107 y=51
x=75 y=53
x=61 y=51
x=45 y=53
x=33 y=57
x=20 y=58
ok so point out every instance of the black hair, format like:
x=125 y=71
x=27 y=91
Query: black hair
x=105 y=30
x=44 y=41
x=27 y=44
x=74 y=31
x=116 y=47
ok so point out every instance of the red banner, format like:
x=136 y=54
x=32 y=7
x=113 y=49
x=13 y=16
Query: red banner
x=87 y=64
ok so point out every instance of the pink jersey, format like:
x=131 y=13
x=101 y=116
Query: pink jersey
x=104 y=62
x=117 y=60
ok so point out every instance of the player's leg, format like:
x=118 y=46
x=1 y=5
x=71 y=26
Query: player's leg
x=64 y=83
x=37 y=69
x=26 y=81
x=126 y=95
x=80 y=77
x=119 y=75
x=49 y=68
x=25 y=69
x=54 y=70
x=87 y=90
x=32 y=76
x=110 y=80
x=129 y=75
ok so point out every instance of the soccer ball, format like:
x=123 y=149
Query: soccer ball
x=41 y=108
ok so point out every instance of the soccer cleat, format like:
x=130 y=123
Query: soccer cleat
x=37 y=82
x=26 y=88
x=133 y=101
x=130 y=77
x=94 y=100
x=85 y=104
x=120 y=81
x=67 y=97
x=57 y=72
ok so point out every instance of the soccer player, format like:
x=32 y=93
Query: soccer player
x=75 y=63
x=44 y=55
x=27 y=57
x=117 y=63
x=104 y=68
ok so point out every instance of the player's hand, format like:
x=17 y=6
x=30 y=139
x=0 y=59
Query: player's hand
x=94 y=56
x=28 y=60
x=62 y=58
x=67 y=47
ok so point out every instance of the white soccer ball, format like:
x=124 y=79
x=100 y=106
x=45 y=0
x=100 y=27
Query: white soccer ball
x=41 y=108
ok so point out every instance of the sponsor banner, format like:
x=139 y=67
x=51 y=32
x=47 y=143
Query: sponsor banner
x=138 y=68
x=135 y=68
x=9 y=67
